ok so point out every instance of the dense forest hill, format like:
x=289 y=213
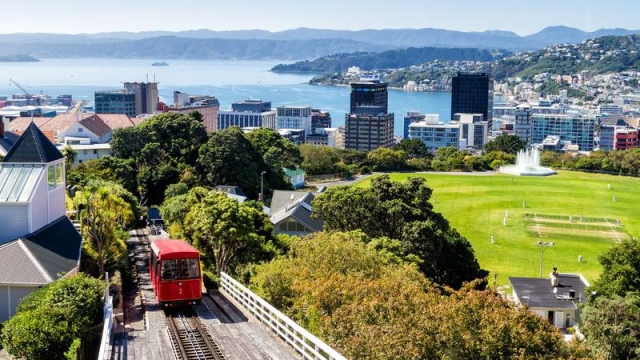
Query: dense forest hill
x=17 y=58
x=390 y=59
x=597 y=56
x=171 y=47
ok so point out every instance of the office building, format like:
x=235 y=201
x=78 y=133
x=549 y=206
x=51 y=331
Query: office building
x=369 y=125
x=574 y=127
x=435 y=134
x=320 y=120
x=294 y=117
x=473 y=130
x=246 y=114
x=522 y=128
x=146 y=96
x=410 y=118
x=473 y=94
x=369 y=93
x=115 y=102
x=207 y=106
x=618 y=136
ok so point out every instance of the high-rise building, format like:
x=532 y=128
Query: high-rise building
x=574 y=127
x=412 y=117
x=115 y=102
x=369 y=93
x=320 y=120
x=294 y=117
x=247 y=114
x=146 y=96
x=473 y=94
x=369 y=126
x=522 y=126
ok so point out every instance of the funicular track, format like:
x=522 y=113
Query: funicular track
x=189 y=339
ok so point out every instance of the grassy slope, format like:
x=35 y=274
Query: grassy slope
x=476 y=206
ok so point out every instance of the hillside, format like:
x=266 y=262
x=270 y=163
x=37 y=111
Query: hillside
x=171 y=47
x=294 y=44
x=17 y=58
x=600 y=55
x=390 y=59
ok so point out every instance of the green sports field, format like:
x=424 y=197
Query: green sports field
x=576 y=211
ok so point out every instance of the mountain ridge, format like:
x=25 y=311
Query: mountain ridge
x=253 y=40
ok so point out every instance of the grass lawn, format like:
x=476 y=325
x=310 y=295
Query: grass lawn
x=476 y=205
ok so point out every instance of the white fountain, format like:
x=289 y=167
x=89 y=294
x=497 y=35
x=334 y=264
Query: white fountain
x=527 y=164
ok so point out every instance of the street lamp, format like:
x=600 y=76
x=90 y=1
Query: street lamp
x=262 y=186
x=542 y=246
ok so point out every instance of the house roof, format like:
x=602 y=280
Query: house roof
x=282 y=198
x=538 y=293
x=7 y=142
x=42 y=256
x=96 y=125
x=117 y=121
x=17 y=266
x=56 y=246
x=33 y=147
x=231 y=189
x=300 y=210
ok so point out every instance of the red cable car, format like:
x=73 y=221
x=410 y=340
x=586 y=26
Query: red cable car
x=175 y=273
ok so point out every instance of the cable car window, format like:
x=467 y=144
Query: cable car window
x=190 y=269
x=169 y=269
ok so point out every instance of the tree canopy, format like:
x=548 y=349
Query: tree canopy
x=367 y=307
x=402 y=211
x=49 y=319
x=509 y=144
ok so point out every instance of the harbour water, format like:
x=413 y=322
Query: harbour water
x=228 y=80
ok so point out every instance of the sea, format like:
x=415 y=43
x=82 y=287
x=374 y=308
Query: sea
x=228 y=80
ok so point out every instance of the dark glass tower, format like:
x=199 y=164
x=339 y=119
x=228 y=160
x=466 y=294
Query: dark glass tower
x=369 y=125
x=372 y=93
x=473 y=94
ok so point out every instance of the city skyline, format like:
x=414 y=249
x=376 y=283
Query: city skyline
x=77 y=17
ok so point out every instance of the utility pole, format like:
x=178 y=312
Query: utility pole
x=542 y=246
x=262 y=186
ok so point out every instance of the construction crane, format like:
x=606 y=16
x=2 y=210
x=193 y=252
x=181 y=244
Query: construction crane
x=36 y=98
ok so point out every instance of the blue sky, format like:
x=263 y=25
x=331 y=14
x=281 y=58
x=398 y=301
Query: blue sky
x=522 y=17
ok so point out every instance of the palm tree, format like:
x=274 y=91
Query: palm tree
x=70 y=156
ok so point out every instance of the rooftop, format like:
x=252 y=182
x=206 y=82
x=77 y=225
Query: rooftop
x=539 y=293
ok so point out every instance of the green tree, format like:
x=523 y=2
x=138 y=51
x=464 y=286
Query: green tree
x=387 y=159
x=229 y=158
x=48 y=320
x=161 y=149
x=70 y=156
x=104 y=216
x=368 y=305
x=414 y=148
x=226 y=230
x=620 y=270
x=277 y=153
x=509 y=144
x=612 y=326
x=319 y=159
x=402 y=211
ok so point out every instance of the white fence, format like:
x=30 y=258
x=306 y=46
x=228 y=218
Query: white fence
x=108 y=322
x=307 y=345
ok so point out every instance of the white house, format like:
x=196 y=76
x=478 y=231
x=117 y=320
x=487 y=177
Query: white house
x=555 y=299
x=38 y=243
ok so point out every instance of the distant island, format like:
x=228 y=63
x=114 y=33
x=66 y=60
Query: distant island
x=18 y=58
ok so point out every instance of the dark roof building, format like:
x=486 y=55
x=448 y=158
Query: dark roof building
x=555 y=299
x=33 y=147
x=291 y=213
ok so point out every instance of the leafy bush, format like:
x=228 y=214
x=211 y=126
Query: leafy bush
x=48 y=320
x=365 y=170
x=211 y=280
